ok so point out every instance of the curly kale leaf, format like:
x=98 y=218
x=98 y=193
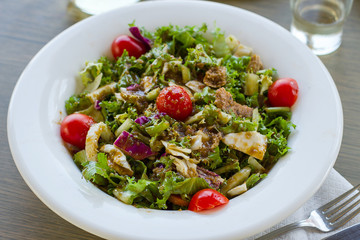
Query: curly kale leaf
x=277 y=131
x=198 y=58
x=77 y=103
x=175 y=184
x=238 y=124
x=111 y=108
x=98 y=172
x=207 y=95
x=142 y=192
x=236 y=73
x=221 y=48
x=179 y=39
x=90 y=72
x=214 y=159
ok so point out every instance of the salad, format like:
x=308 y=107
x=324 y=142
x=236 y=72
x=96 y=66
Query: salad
x=178 y=118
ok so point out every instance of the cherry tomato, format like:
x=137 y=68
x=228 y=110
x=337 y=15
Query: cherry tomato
x=175 y=102
x=133 y=47
x=283 y=92
x=206 y=199
x=74 y=128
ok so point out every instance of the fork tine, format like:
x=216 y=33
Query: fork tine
x=347 y=218
x=338 y=199
x=342 y=213
x=337 y=209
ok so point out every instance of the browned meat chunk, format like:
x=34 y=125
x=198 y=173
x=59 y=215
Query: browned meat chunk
x=215 y=77
x=255 y=64
x=224 y=101
x=210 y=177
x=136 y=97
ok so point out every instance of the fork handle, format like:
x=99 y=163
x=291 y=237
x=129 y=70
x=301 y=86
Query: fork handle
x=286 y=228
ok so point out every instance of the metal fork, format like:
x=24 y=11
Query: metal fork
x=326 y=218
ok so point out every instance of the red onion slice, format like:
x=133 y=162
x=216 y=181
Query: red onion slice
x=133 y=146
x=97 y=105
x=135 y=31
x=142 y=120
x=133 y=87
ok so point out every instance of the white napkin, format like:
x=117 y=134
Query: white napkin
x=334 y=186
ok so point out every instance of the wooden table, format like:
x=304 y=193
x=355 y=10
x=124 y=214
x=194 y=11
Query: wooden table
x=27 y=25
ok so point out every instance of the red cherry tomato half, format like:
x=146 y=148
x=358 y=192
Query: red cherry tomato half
x=74 y=128
x=175 y=102
x=283 y=92
x=206 y=199
x=133 y=47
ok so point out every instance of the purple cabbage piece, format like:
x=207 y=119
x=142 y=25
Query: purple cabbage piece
x=133 y=146
x=133 y=87
x=142 y=120
x=135 y=31
x=97 y=105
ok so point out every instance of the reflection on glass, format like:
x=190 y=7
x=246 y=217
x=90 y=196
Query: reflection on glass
x=319 y=23
x=84 y=8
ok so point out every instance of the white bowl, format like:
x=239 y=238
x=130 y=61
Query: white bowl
x=48 y=168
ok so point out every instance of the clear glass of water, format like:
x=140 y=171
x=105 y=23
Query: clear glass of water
x=84 y=8
x=319 y=23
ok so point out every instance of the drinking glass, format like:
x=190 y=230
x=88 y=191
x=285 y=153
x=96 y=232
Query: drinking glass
x=84 y=8
x=319 y=23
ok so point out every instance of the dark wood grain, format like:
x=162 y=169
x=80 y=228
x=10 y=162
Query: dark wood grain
x=27 y=25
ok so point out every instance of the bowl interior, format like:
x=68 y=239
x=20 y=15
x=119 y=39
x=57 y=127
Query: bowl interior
x=49 y=171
